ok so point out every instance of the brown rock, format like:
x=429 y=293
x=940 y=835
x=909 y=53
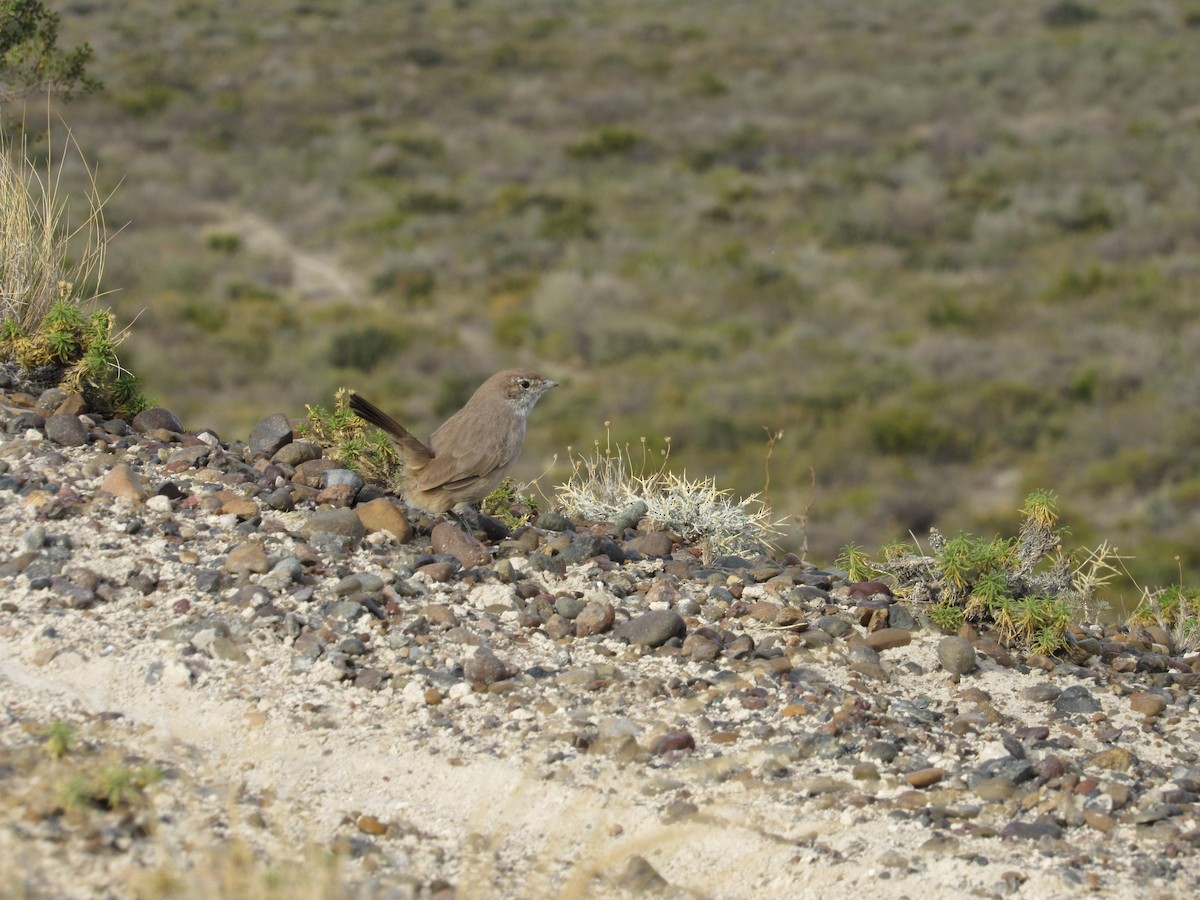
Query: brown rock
x=654 y=544
x=484 y=667
x=889 y=638
x=234 y=503
x=764 y=612
x=339 y=495
x=923 y=778
x=295 y=453
x=466 y=548
x=74 y=405
x=1148 y=704
x=246 y=558
x=699 y=648
x=312 y=473
x=595 y=618
x=792 y=618
x=672 y=741
x=439 y=614
x=156 y=419
x=122 y=483
x=1118 y=759
x=1102 y=822
x=440 y=571
x=371 y=825
x=382 y=514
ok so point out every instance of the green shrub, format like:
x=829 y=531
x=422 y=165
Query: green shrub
x=612 y=140
x=364 y=348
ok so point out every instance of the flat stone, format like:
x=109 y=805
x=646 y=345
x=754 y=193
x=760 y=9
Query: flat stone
x=652 y=629
x=122 y=483
x=343 y=522
x=381 y=514
x=466 y=548
x=1115 y=759
x=1148 y=704
x=1077 y=699
x=923 y=778
x=233 y=503
x=1030 y=831
x=295 y=453
x=247 y=558
x=156 y=419
x=889 y=638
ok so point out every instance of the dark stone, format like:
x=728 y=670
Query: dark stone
x=1031 y=831
x=652 y=629
x=270 y=435
x=586 y=546
x=1077 y=699
x=156 y=418
x=630 y=515
x=552 y=521
x=25 y=421
x=66 y=431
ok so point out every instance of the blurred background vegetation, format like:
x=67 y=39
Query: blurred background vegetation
x=951 y=250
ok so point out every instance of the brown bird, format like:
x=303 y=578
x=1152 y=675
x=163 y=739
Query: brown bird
x=473 y=450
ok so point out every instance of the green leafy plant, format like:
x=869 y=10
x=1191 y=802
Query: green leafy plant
x=350 y=441
x=1176 y=609
x=58 y=739
x=1027 y=588
x=30 y=59
x=507 y=504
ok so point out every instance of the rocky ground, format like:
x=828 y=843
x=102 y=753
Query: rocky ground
x=229 y=668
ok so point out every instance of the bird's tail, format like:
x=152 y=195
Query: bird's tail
x=412 y=451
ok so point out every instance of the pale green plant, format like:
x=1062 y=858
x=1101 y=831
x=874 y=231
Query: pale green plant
x=609 y=481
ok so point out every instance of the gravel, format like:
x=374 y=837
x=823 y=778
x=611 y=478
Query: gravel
x=579 y=704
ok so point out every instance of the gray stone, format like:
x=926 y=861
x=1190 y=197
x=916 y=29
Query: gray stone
x=345 y=477
x=569 y=607
x=630 y=515
x=956 y=655
x=295 y=453
x=270 y=435
x=340 y=521
x=899 y=617
x=156 y=418
x=585 y=546
x=552 y=521
x=1042 y=693
x=833 y=625
x=66 y=431
x=1077 y=699
x=652 y=629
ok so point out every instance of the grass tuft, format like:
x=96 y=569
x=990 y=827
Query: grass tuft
x=609 y=480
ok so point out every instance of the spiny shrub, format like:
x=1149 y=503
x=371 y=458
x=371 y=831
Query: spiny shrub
x=1027 y=588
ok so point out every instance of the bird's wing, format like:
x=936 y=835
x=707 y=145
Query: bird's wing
x=461 y=457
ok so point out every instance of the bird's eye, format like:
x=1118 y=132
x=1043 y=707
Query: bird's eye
x=524 y=383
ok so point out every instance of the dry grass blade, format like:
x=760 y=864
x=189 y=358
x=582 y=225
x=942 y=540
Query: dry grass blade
x=43 y=258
